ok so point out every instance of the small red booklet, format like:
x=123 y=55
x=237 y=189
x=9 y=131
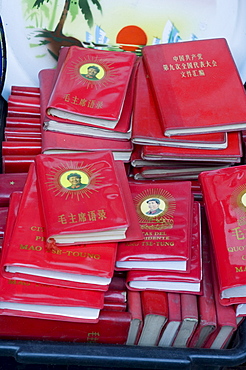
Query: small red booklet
x=165 y=216
x=111 y=328
x=26 y=256
x=147 y=130
x=134 y=306
x=91 y=86
x=155 y=314
x=81 y=197
x=224 y=194
x=181 y=72
x=122 y=131
x=231 y=154
x=189 y=321
x=28 y=299
x=174 y=320
x=182 y=282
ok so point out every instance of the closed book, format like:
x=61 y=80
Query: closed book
x=170 y=281
x=26 y=256
x=206 y=305
x=29 y=299
x=122 y=130
x=17 y=163
x=224 y=198
x=155 y=314
x=23 y=122
x=189 y=321
x=66 y=180
x=165 y=216
x=180 y=73
x=24 y=100
x=91 y=86
x=147 y=129
x=134 y=307
x=25 y=90
x=171 y=328
x=15 y=110
x=231 y=154
x=111 y=328
x=226 y=319
x=20 y=148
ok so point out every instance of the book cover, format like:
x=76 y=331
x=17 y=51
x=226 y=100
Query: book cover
x=181 y=72
x=23 y=122
x=226 y=318
x=67 y=180
x=3 y=219
x=25 y=90
x=165 y=217
x=29 y=299
x=27 y=257
x=206 y=305
x=233 y=153
x=155 y=314
x=134 y=306
x=174 y=320
x=224 y=194
x=189 y=321
x=122 y=130
x=111 y=328
x=96 y=82
x=24 y=101
x=147 y=129
x=170 y=281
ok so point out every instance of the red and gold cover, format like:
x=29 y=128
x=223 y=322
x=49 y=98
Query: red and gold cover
x=224 y=198
x=91 y=84
x=147 y=129
x=80 y=194
x=165 y=216
x=25 y=254
x=197 y=86
x=182 y=282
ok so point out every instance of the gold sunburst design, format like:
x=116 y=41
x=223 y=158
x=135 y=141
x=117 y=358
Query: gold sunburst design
x=105 y=76
x=162 y=200
x=238 y=198
x=90 y=174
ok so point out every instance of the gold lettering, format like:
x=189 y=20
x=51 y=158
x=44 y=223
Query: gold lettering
x=240 y=269
x=37 y=228
x=165 y=244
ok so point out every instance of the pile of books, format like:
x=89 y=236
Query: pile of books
x=124 y=221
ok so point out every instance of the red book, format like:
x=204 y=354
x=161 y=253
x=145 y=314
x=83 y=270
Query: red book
x=122 y=131
x=28 y=299
x=26 y=256
x=147 y=130
x=111 y=328
x=226 y=319
x=135 y=309
x=91 y=86
x=206 y=304
x=185 y=282
x=66 y=179
x=189 y=314
x=115 y=300
x=25 y=90
x=165 y=216
x=17 y=163
x=155 y=314
x=174 y=320
x=24 y=101
x=232 y=153
x=224 y=198
x=20 y=148
x=23 y=122
x=180 y=73
x=15 y=110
